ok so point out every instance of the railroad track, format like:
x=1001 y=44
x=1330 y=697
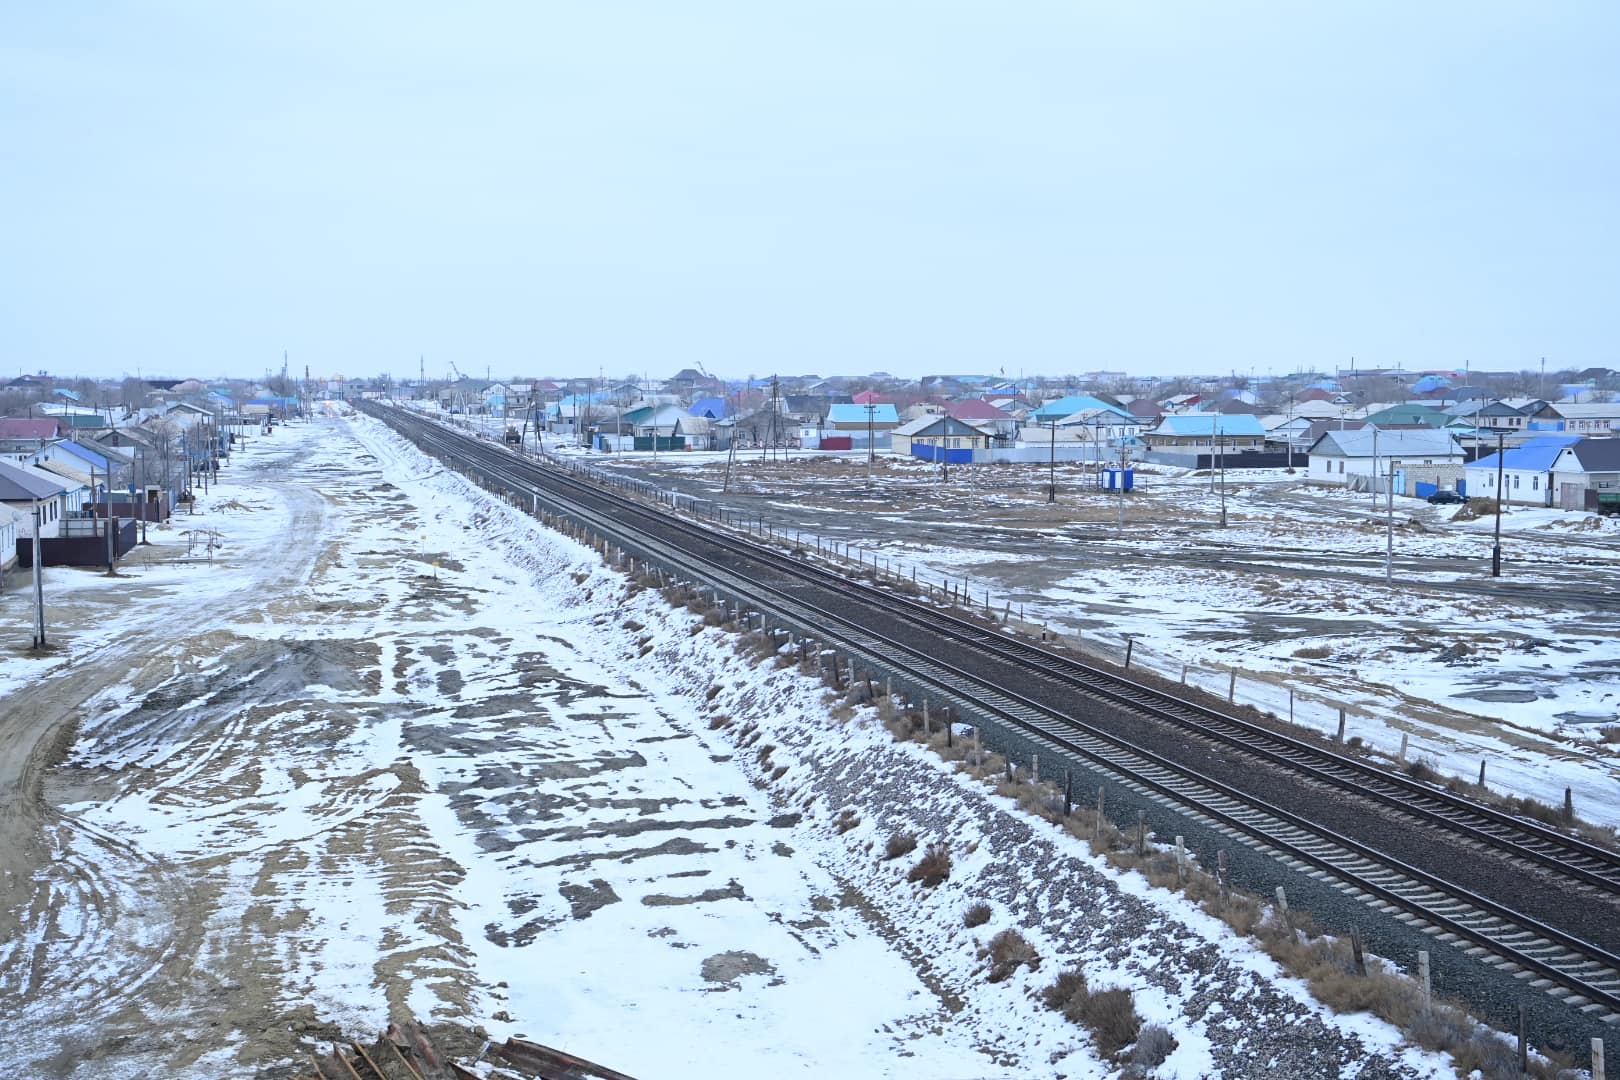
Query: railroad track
x=919 y=642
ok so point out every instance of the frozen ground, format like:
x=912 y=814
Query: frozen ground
x=1291 y=595
x=396 y=749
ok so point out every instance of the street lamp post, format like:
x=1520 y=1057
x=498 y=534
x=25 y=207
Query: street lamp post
x=871 y=445
x=1501 y=499
x=39 y=582
x=1051 y=468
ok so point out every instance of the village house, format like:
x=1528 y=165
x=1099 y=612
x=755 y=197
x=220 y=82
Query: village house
x=1354 y=457
x=1525 y=471
x=1204 y=432
x=1586 y=475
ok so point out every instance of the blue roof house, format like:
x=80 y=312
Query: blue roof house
x=714 y=408
x=1525 y=471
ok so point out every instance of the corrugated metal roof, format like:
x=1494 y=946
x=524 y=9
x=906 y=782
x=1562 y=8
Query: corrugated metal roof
x=858 y=414
x=1209 y=424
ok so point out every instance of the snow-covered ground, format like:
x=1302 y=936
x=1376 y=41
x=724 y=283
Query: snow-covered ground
x=1291 y=596
x=398 y=748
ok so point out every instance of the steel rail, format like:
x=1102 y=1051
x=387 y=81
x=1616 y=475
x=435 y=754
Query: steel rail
x=1596 y=972
x=1567 y=856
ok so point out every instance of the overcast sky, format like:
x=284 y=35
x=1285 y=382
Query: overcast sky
x=835 y=187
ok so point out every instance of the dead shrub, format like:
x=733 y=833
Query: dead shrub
x=764 y=753
x=1422 y=770
x=1110 y=1016
x=933 y=868
x=900 y=843
x=712 y=618
x=712 y=692
x=719 y=722
x=633 y=626
x=779 y=772
x=1008 y=951
x=1153 y=1045
x=976 y=915
x=1068 y=986
x=1313 y=652
x=1611 y=733
x=847 y=820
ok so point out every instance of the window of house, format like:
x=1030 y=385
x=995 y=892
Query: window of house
x=1515 y=481
x=1341 y=466
x=1535 y=483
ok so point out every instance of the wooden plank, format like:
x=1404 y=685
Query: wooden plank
x=553 y=1063
x=344 y=1062
x=372 y=1065
x=403 y=1060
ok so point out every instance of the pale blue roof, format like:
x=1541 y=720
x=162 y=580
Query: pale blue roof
x=1210 y=424
x=1535 y=455
x=857 y=414
x=1068 y=406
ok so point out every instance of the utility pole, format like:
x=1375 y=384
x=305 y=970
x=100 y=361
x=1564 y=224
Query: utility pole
x=1501 y=503
x=1220 y=442
x=1389 y=528
x=871 y=445
x=1051 y=464
x=1123 y=461
x=39 y=583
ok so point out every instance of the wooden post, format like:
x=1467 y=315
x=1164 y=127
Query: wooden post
x=1068 y=793
x=1597 y=1059
x=1282 y=905
x=1183 y=674
x=1423 y=977
x=1097 y=826
x=1357 y=953
x=1141 y=833
x=1034 y=768
x=945 y=718
x=1524 y=1045
x=1130 y=643
x=1290 y=705
x=1220 y=874
x=1482 y=772
x=1404 y=737
x=927 y=731
x=1231 y=687
x=1181 y=859
x=1339 y=738
x=1569 y=805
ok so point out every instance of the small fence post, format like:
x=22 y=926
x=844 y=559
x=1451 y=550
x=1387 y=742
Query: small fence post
x=1068 y=793
x=1357 y=953
x=1290 y=705
x=1034 y=768
x=1524 y=1045
x=1130 y=643
x=1423 y=977
x=1339 y=738
x=1141 y=833
x=1569 y=805
x=1231 y=687
x=1597 y=1059
x=1482 y=772
x=1181 y=859
x=1097 y=826
x=1404 y=737
x=1282 y=905
x=927 y=730
x=1220 y=874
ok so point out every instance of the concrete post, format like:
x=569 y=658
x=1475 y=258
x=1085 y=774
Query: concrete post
x=1404 y=737
x=1339 y=738
x=1423 y=977
x=1181 y=859
x=1231 y=687
x=1597 y=1059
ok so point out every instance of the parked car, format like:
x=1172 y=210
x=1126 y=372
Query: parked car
x=1444 y=496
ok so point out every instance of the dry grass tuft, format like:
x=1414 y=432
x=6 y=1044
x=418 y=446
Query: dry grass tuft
x=1313 y=652
x=933 y=868
x=976 y=915
x=900 y=843
x=1008 y=951
x=847 y=820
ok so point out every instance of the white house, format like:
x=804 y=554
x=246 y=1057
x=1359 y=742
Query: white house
x=1525 y=472
x=20 y=489
x=1589 y=465
x=1338 y=458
